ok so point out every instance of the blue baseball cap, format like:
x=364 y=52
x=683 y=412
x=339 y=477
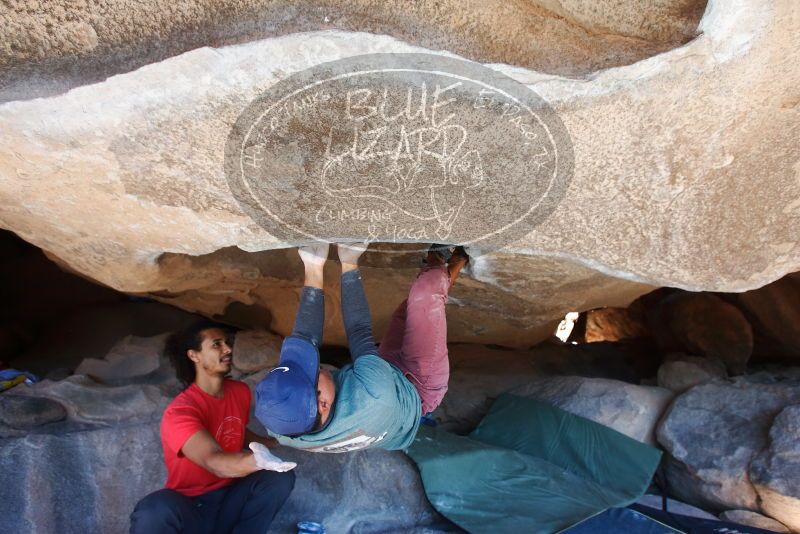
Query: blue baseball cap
x=286 y=399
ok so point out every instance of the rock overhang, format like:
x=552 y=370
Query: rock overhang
x=663 y=192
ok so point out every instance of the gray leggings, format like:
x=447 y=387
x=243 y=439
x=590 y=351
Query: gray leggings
x=310 y=317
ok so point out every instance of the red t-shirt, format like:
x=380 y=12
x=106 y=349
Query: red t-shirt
x=194 y=409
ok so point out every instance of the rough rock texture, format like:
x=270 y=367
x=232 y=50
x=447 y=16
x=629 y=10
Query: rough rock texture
x=368 y=491
x=62 y=44
x=255 y=350
x=712 y=434
x=630 y=409
x=665 y=154
x=497 y=300
x=80 y=481
x=704 y=325
x=776 y=471
x=684 y=372
x=90 y=480
x=752 y=519
x=87 y=401
x=23 y=413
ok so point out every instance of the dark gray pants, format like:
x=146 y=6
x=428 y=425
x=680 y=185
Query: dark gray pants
x=355 y=314
x=245 y=507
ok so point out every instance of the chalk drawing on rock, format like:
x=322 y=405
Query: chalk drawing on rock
x=390 y=148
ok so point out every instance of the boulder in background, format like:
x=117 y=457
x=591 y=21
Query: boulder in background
x=627 y=408
x=681 y=372
x=776 y=471
x=704 y=325
x=131 y=357
x=255 y=350
x=712 y=433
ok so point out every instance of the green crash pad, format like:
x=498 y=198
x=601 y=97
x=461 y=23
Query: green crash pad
x=530 y=467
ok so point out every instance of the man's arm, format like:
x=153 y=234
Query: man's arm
x=203 y=449
x=267 y=441
x=264 y=458
x=310 y=317
x=355 y=309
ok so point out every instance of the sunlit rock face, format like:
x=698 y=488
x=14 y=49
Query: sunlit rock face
x=685 y=163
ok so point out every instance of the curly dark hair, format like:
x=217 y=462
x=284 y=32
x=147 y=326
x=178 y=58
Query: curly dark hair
x=185 y=339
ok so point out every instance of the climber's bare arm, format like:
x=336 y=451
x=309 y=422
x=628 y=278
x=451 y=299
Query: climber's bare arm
x=203 y=449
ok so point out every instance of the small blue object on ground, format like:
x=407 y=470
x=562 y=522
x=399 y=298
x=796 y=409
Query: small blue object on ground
x=310 y=527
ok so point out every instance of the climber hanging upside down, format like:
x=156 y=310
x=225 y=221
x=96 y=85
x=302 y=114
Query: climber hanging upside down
x=377 y=400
